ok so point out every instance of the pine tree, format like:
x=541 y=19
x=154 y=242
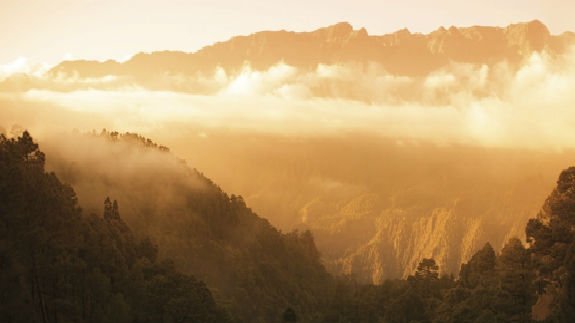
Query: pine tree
x=108 y=209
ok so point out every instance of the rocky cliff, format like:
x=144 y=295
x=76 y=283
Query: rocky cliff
x=400 y=53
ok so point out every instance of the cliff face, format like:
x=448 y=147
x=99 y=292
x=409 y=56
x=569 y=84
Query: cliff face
x=445 y=234
x=392 y=240
x=401 y=53
x=377 y=209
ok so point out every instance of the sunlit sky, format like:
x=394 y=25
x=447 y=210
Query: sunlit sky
x=50 y=30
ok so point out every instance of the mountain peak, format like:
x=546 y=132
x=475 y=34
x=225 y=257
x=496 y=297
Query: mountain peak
x=536 y=23
x=342 y=26
x=528 y=36
x=533 y=26
x=341 y=43
x=339 y=31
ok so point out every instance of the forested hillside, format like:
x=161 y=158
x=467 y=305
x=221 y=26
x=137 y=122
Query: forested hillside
x=533 y=283
x=377 y=207
x=58 y=264
x=61 y=264
x=253 y=270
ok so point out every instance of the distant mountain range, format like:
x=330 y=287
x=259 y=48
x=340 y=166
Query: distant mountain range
x=400 y=53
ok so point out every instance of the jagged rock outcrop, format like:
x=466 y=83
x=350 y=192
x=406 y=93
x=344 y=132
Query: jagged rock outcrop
x=401 y=52
x=401 y=237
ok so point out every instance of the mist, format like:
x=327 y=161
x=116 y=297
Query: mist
x=341 y=135
x=328 y=175
x=497 y=105
x=102 y=165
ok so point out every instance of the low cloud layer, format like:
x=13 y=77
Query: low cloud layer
x=530 y=105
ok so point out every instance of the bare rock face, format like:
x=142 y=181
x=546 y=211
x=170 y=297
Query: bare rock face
x=401 y=237
x=377 y=209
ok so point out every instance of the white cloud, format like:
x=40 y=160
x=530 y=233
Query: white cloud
x=498 y=105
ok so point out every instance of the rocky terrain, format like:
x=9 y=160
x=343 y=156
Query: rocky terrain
x=400 y=53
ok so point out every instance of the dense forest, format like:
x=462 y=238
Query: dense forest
x=58 y=264
x=253 y=270
x=206 y=257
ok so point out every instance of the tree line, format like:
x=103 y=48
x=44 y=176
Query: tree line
x=59 y=264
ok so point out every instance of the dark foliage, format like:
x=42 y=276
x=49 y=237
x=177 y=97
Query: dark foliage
x=253 y=270
x=518 y=285
x=59 y=265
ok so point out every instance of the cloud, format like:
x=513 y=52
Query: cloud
x=21 y=65
x=500 y=105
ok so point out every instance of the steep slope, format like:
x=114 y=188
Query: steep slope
x=58 y=264
x=252 y=268
x=524 y=284
x=533 y=283
x=402 y=238
x=551 y=236
x=400 y=53
x=376 y=207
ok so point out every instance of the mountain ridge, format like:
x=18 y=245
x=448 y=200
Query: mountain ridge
x=400 y=52
x=207 y=233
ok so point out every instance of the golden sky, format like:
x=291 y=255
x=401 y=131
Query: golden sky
x=49 y=30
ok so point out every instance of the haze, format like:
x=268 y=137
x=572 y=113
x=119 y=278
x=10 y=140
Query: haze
x=48 y=31
x=270 y=149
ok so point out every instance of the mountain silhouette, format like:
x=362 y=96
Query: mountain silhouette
x=400 y=53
